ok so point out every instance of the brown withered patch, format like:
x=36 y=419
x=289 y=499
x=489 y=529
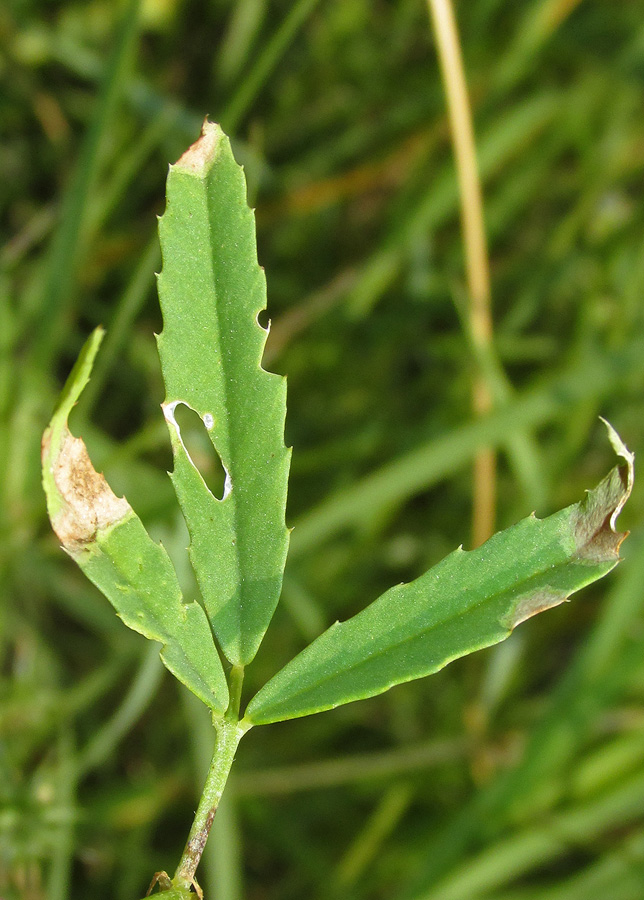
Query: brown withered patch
x=595 y=535
x=88 y=503
x=531 y=604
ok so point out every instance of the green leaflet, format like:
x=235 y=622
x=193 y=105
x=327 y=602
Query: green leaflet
x=102 y=533
x=468 y=601
x=211 y=290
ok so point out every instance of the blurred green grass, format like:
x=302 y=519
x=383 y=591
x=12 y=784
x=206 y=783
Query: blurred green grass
x=513 y=775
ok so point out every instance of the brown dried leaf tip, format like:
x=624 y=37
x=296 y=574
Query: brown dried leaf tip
x=593 y=525
x=198 y=158
x=596 y=535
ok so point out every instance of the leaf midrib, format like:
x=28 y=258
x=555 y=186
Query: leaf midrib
x=232 y=496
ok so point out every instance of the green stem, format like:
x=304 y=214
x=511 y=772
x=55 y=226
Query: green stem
x=229 y=733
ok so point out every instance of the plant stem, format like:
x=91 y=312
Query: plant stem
x=476 y=256
x=229 y=734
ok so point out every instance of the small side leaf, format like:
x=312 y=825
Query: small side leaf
x=468 y=601
x=212 y=290
x=103 y=534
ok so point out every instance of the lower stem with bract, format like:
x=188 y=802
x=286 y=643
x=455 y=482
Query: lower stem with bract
x=229 y=734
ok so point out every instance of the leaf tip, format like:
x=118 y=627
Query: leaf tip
x=198 y=158
x=628 y=456
x=595 y=530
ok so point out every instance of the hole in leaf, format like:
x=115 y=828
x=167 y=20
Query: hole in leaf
x=263 y=319
x=200 y=449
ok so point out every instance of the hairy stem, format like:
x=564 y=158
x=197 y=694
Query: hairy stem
x=229 y=734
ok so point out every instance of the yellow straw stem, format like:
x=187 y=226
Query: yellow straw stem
x=475 y=244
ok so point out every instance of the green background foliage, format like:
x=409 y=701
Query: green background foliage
x=511 y=775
